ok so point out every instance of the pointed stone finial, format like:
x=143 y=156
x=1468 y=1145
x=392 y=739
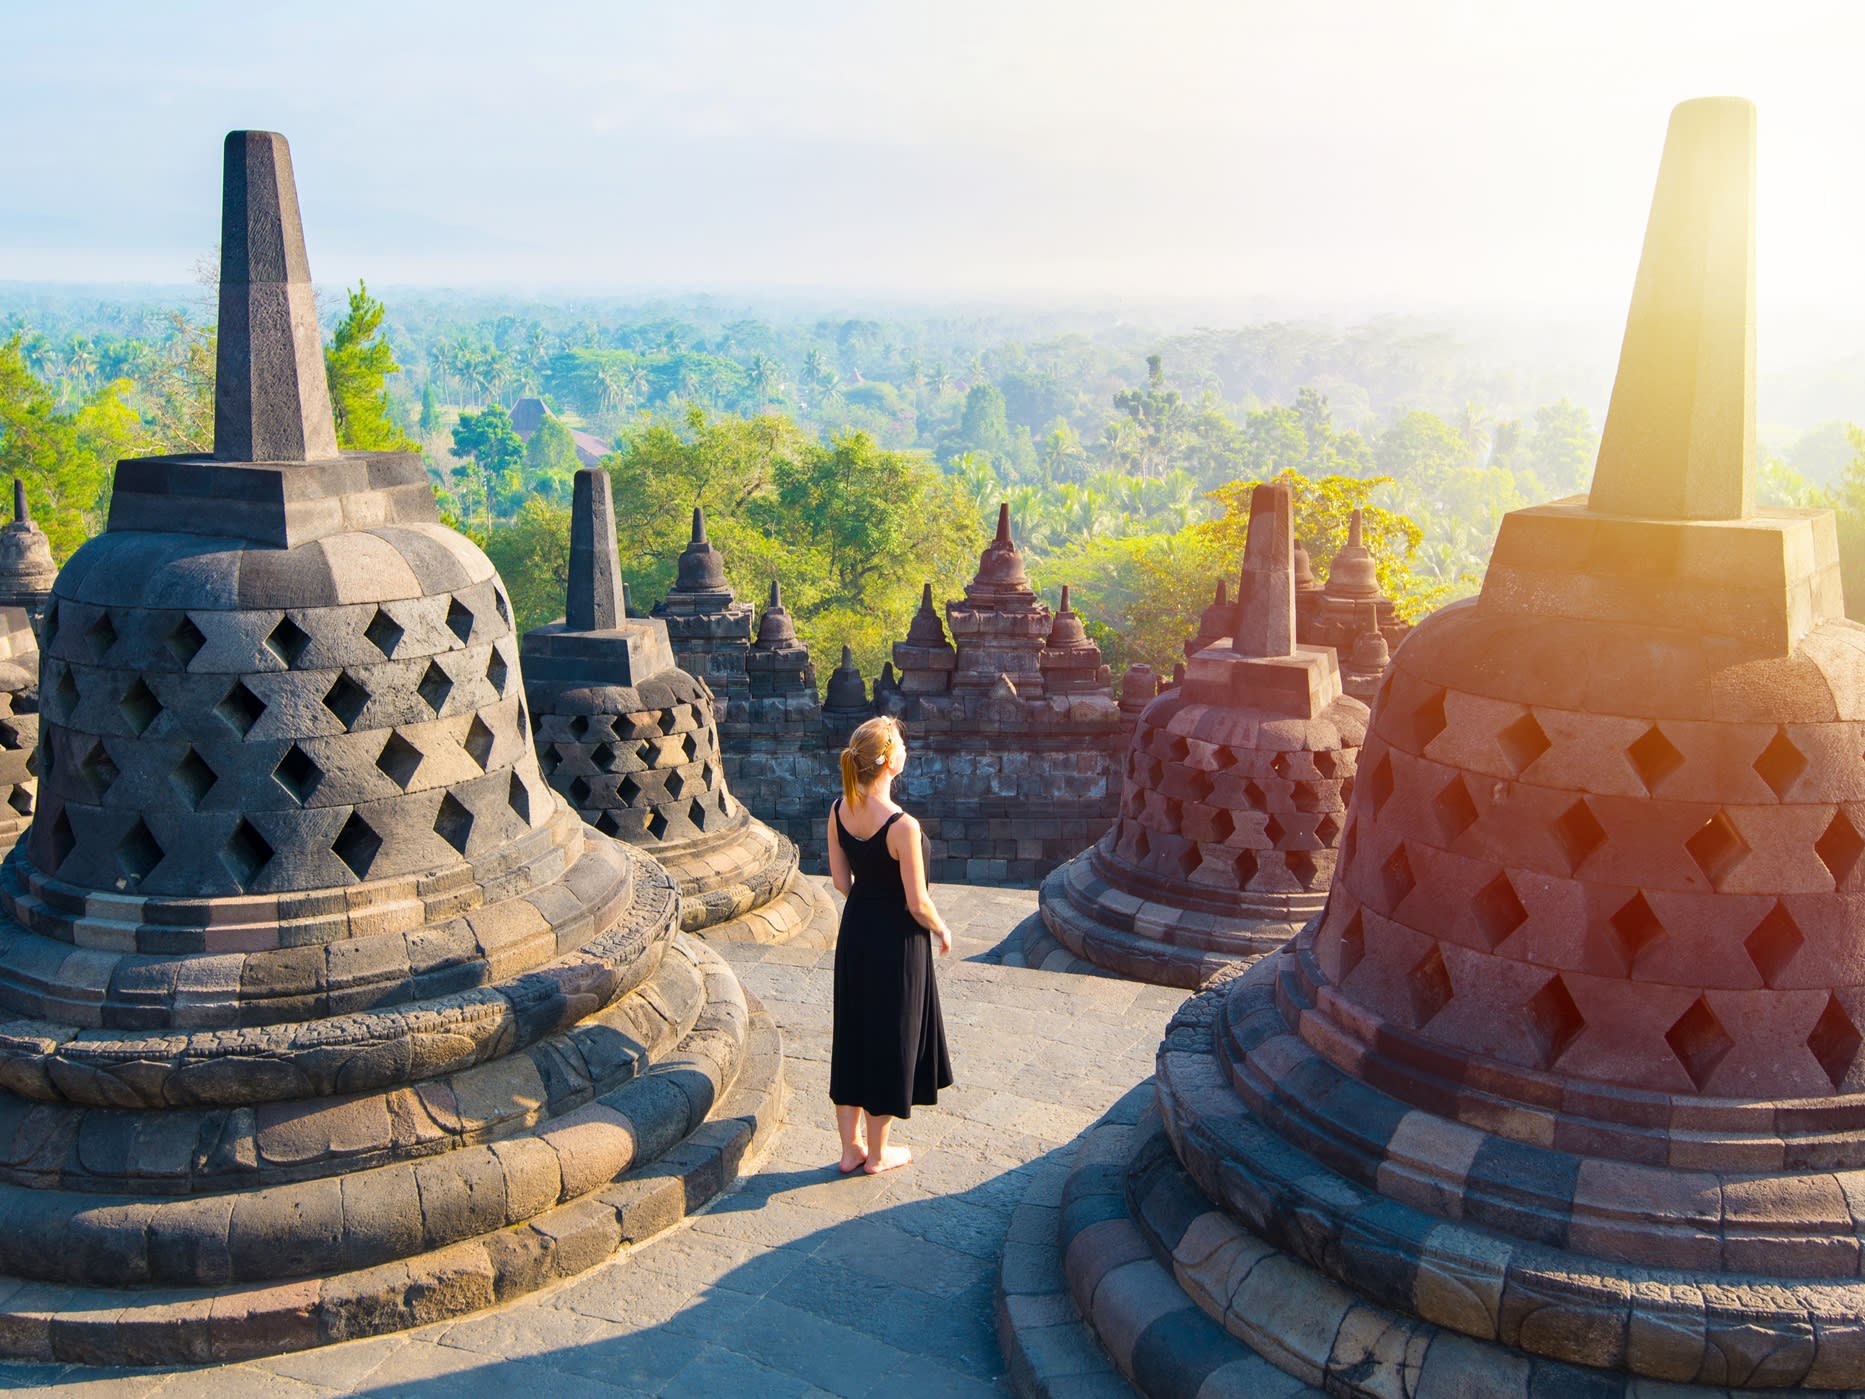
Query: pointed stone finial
x=777 y=596
x=1003 y=524
x=1266 y=587
x=926 y=602
x=271 y=399
x=848 y=657
x=1354 y=524
x=1065 y=607
x=594 y=600
x=1679 y=441
x=699 y=524
x=1221 y=598
x=21 y=514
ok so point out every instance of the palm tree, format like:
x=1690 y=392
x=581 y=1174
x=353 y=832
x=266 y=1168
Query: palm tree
x=763 y=378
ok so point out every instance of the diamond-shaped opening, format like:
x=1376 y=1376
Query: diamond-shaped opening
x=504 y=607
x=193 y=779
x=1177 y=749
x=610 y=823
x=657 y=824
x=579 y=727
x=580 y=790
x=1352 y=946
x=690 y=746
x=527 y=723
x=1222 y=827
x=184 y=642
x=453 y=823
x=49 y=627
x=435 y=686
x=667 y=719
x=1428 y=984
x=298 y=773
x=1327 y=763
x=1773 y=943
x=10 y=737
x=496 y=671
x=1456 y=812
x=357 y=845
x=246 y=853
x=1197 y=785
x=1396 y=877
x=1835 y=1041
x=1780 y=764
x=1143 y=845
x=1498 y=911
x=98 y=770
x=603 y=756
x=65 y=692
x=20 y=799
x=1223 y=759
x=696 y=813
x=398 y=760
x=1187 y=860
x=384 y=632
x=1718 y=848
x=240 y=708
x=1379 y=785
x=1522 y=742
x=1553 y=1019
x=1699 y=1041
x=138 y=852
x=549 y=755
x=1282 y=766
x=1327 y=829
x=725 y=803
x=459 y=619
x=346 y=699
x=1578 y=832
x=1175 y=813
x=676 y=784
x=478 y=742
x=62 y=841
x=518 y=797
x=628 y=791
x=100 y=636
x=1253 y=796
x=139 y=706
x=1428 y=721
x=1839 y=848
x=1273 y=830
x=1653 y=757
x=1302 y=865
x=1634 y=928
x=1305 y=796
x=287 y=641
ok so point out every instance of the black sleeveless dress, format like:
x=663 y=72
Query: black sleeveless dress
x=889 y=1048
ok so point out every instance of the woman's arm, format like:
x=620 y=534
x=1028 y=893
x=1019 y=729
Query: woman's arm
x=903 y=843
x=838 y=861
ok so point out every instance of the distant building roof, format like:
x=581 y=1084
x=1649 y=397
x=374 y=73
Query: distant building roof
x=528 y=416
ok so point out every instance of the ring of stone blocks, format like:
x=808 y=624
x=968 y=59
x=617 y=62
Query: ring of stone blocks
x=1685 y=885
x=196 y=1150
x=372 y=1049
x=1488 y=1272
x=392 y=957
x=1103 y=924
x=222 y=1323
x=722 y=882
x=1687 y=1168
x=318 y=715
x=366 y=1217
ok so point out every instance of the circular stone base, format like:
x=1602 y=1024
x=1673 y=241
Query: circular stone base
x=1144 y=939
x=802 y=915
x=691 y=1162
x=746 y=889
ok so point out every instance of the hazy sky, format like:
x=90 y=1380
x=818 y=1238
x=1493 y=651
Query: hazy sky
x=1389 y=153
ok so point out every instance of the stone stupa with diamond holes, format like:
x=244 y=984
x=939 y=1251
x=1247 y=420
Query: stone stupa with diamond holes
x=1236 y=788
x=26 y=567
x=19 y=721
x=320 y=1014
x=1563 y=1093
x=630 y=739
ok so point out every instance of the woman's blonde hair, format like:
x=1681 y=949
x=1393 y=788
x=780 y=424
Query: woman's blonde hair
x=870 y=747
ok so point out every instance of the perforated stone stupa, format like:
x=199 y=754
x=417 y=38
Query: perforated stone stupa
x=26 y=567
x=322 y=1015
x=1236 y=791
x=629 y=738
x=19 y=723
x=710 y=629
x=1563 y=1093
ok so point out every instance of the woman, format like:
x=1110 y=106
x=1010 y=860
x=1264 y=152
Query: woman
x=889 y=1051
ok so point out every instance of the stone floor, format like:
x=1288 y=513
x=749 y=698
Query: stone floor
x=799 y=1282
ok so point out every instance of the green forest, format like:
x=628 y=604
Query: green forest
x=853 y=460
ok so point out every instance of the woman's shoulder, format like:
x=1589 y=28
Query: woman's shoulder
x=903 y=822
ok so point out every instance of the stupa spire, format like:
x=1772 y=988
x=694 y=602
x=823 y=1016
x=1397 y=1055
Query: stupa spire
x=271 y=399
x=1679 y=441
x=595 y=600
x=699 y=524
x=1003 y=525
x=1266 y=586
x=22 y=514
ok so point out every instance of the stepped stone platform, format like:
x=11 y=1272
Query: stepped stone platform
x=1235 y=796
x=631 y=740
x=320 y=1015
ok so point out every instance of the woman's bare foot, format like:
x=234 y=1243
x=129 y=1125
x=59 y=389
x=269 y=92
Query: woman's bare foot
x=890 y=1158
x=853 y=1158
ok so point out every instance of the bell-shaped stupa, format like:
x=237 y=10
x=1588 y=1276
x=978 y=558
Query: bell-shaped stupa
x=1563 y=1093
x=320 y=1014
x=1235 y=794
x=631 y=740
x=26 y=567
x=19 y=723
